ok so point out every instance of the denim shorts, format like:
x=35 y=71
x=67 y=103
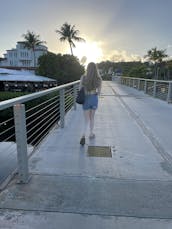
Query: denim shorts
x=91 y=102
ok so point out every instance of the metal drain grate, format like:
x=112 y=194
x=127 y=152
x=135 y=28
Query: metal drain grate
x=99 y=151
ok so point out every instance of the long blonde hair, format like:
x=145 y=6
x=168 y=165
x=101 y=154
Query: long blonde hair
x=92 y=79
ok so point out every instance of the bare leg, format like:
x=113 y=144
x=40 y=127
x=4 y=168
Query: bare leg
x=92 y=114
x=87 y=120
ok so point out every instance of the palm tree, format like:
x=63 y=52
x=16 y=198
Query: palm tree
x=31 y=41
x=156 y=56
x=169 y=69
x=68 y=32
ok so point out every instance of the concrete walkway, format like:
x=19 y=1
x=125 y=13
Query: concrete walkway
x=70 y=189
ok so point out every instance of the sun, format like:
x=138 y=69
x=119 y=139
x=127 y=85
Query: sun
x=88 y=52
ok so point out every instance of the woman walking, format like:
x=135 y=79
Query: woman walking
x=91 y=82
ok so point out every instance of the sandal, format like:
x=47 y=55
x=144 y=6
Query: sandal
x=82 y=141
x=92 y=136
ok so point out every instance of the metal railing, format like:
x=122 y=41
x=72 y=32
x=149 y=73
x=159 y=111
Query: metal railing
x=157 y=88
x=28 y=119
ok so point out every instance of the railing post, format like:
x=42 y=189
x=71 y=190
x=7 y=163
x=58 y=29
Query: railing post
x=133 y=85
x=127 y=82
x=62 y=108
x=169 y=96
x=154 y=89
x=120 y=80
x=138 y=85
x=21 y=141
x=130 y=82
x=145 y=87
x=75 y=86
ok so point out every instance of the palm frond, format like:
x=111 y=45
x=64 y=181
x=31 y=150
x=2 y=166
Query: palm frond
x=63 y=38
x=32 y=40
x=69 y=33
x=78 y=39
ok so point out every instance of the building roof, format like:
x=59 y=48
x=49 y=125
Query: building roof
x=15 y=75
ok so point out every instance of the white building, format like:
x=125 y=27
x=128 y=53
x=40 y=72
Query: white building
x=22 y=57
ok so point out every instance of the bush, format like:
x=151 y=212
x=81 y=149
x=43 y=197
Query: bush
x=4 y=95
x=63 y=68
x=107 y=77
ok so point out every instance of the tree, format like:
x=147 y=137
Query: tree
x=49 y=65
x=169 y=70
x=156 y=56
x=31 y=41
x=68 y=32
x=138 y=71
x=63 y=68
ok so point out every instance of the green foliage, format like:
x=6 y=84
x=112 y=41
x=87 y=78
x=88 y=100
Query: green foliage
x=31 y=41
x=133 y=68
x=49 y=65
x=106 y=77
x=159 y=69
x=105 y=65
x=155 y=55
x=8 y=113
x=63 y=68
x=68 y=33
x=4 y=95
x=138 y=72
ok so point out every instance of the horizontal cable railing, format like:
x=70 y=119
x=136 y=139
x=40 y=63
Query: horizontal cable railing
x=157 y=88
x=7 y=134
x=26 y=120
x=39 y=116
x=68 y=99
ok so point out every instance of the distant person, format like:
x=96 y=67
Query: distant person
x=91 y=82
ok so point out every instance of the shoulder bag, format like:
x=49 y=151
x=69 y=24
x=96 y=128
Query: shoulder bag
x=80 y=99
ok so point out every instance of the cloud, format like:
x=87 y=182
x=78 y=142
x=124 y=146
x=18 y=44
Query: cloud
x=169 y=46
x=122 y=55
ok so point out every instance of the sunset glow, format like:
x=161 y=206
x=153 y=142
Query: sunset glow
x=91 y=50
x=107 y=30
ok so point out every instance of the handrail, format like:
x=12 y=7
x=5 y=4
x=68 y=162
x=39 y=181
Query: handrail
x=30 y=128
x=10 y=102
x=153 y=80
x=161 y=89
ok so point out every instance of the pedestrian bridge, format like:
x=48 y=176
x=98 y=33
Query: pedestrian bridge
x=120 y=179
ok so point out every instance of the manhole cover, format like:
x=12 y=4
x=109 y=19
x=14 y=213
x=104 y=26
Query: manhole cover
x=99 y=151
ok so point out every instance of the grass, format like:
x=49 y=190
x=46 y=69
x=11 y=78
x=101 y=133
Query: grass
x=4 y=95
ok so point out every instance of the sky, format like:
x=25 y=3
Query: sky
x=116 y=30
